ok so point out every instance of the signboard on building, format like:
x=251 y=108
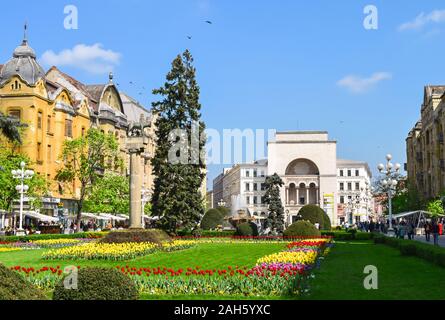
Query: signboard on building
x=328 y=205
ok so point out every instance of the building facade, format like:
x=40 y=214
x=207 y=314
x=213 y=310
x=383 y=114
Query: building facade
x=307 y=163
x=355 y=201
x=56 y=108
x=425 y=145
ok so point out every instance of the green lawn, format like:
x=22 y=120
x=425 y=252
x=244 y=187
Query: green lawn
x=206 y=255
x=341 y=275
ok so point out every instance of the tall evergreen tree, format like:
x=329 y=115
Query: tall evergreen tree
x=178 y=163
x=275 y=219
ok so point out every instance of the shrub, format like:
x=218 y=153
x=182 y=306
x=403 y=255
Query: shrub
x=212 y=219
x=424 y=251
x=98 y=284
x=392 y=242
x=225 y=212
x=129 y=235
x=302 y=228
x=80 y=235
x=207 y=233
x=408 y=249
x=314 y=214
x=244 y=229
x=14 y=287
x=363 y=236
x=254 y=227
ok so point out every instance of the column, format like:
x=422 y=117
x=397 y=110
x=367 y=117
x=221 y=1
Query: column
x=135 y=190
x=286 y=193
x=307 y=195
x=298 y=195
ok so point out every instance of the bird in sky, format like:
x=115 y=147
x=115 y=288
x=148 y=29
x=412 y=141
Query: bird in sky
x=131 y=82
x=208 y=21
x=189 y=37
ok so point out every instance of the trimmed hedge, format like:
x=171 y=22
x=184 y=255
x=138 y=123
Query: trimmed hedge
x=314 y=214
x=246 y=229
x=424 y=251
x=212 y=219
x=33 y=237
x=208 y=233
x=14 y=287
x=345 y=236
x=98 y=284
x=131 y=235
x=302 y=228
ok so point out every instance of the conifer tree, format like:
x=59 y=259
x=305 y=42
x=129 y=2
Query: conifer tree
x=275 y=219
x=178 y=163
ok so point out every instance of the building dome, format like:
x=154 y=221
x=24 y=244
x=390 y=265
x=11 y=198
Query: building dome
x=24 y=64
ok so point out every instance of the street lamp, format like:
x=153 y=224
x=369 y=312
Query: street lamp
x=353 y=203
x=22 y=188
x=389 y=183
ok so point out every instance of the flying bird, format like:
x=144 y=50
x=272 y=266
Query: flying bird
x=131 y=82
x=189 y=37
x=208 y=21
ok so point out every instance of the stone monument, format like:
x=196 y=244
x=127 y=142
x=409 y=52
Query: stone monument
x=136 y=143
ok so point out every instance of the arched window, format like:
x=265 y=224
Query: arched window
x=302 y=167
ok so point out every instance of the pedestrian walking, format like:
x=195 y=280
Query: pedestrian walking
x=427 y=228
x=435 y=230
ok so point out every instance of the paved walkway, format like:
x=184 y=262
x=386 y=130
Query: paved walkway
x=422 y=239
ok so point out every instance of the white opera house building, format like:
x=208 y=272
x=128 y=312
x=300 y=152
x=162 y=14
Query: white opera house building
x=307 y=163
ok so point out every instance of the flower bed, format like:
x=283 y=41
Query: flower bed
x=101 y=251
x=56 y=243
x=8 y=249
x=277 y=274
x=114 y=251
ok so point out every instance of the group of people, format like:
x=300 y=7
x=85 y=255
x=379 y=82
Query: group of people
x=371 y=226
x=434 y=227
x=405 y=228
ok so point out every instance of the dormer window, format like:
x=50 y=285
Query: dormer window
x=16 y=86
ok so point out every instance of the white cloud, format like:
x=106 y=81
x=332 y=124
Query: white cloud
x=435 y=16
x=93 y=59
x=357 y=84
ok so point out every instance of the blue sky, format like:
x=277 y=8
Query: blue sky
x=261 y=64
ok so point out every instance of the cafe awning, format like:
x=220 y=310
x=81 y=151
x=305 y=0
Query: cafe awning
x=111 y=217
x=40 y=217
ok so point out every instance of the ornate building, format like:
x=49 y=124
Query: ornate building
x=56 y=107
x=425 y=145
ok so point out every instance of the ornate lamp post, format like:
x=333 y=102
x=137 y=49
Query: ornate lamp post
x=22 y=188
x=353 y=204
x=389 y=183
x=367 y=197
